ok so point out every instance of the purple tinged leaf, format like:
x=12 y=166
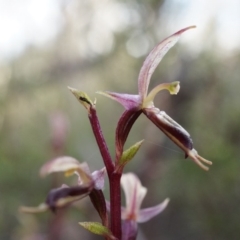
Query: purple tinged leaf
x=146 y=214
x=154 y=58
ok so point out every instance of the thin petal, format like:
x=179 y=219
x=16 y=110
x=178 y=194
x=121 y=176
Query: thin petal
x=146 y=214
x=154 y=58
x=198 y=159
x=134 y=194
x=173 y=89
x=128 y=101
x=129 y=230
x=69 y=165
x=98 y=178
x=60 y=164
x=43 y=207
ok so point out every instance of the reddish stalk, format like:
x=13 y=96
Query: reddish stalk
x=102 y=145
x=115 y=205
x=114 y=178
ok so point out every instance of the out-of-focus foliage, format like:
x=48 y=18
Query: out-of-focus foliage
x=91 y=56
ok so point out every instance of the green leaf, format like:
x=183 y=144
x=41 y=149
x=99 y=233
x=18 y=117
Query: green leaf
x=97 y=228
x=128 y=154
x=82 y=97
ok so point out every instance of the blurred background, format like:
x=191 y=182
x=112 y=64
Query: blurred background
x=92 y=45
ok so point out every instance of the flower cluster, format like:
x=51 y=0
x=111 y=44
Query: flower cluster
x=123 y=221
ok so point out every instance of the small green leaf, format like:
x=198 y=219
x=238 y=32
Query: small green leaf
x=82 y=97
x=97 y=228
x=129 y=154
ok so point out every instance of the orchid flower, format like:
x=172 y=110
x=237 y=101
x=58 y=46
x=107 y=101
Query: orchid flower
x=132 y=213
x=134 y=194
x=63 y=196
x=143 y=102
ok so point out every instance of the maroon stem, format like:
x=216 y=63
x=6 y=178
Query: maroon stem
x=102 y=145
x=114 y=178
x=115 y=205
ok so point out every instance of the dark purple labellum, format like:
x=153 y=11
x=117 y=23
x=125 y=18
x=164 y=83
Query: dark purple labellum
x=67 y=194
x=171 y=128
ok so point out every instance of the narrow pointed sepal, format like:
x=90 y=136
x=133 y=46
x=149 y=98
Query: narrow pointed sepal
x=83 y=98
x=128 y=155
x=124 y=126
x=43 y=207
x=60 y=197
x=146 y=214
x=154 y=58
x=98 y=201
x=128 y=101
x=176 y=133
x=97 y=228
x=198 y=159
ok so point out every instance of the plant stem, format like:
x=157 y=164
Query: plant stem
x=115 y=204
x=102 y=145
x=114 y=177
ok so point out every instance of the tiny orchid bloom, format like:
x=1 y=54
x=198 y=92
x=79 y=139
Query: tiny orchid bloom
x=65 y=195
x=134 y=194
x=69 y=166
x=143 y=102
x=132 y=214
